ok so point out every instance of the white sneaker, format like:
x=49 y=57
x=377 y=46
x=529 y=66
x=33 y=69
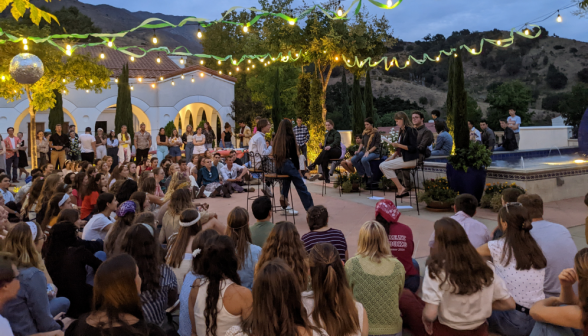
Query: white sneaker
x=289 y=211
x=267 y=191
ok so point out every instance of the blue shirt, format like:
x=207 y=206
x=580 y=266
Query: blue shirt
x=185 y=328
x=246 y=272
x=517 y=121
x=8 y=196
x=206 y=177
x=444 y=143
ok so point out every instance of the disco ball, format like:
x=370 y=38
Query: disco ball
x=26 y=68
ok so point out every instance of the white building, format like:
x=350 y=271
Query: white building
x=162 y=92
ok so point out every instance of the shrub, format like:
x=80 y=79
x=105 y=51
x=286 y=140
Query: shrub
x=583 y=75
x=388 y=80
x=545 y=60
x=493 y=195
x=513 y=66
x=423 y=101
x=558 y=47
x=553 y=101
x=409 y=47
x=573 y=50
x=438 y=190
x=555 y=78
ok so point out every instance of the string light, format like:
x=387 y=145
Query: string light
x=559 y=19
x=91 y=81
x=527 y=31
x=182 y=60
x=340 y=11
x=499 y=42
x=202 y=62
x=389 y=3
x=249 y=61
x=219 y=62
x=161 y=78
x=199 y=34
x=201 y=74
x=182 y=76
x=264 y=64
x=296 y=54
x=245 y=29
x=153 y=85
x=132 y=87
x=173 y=83
x=3 y=78
x=253 y=66
x=192 y=79
x=67 y=47
x=26 y=47
x=140 y=79
x=132 y=58
x=455 y=55
x=87 y=91
x=116 y=80
x=247 y=68
x=220 y=72
x=110 y=44
x=292 y=22
x=230 y=73
x=407 y=62
x=336 y=58
x=68 y=52
x=102 y=55
x=25 y=41
x=391 y=63
x=437 y=59
x=237 y=69
x=473 y=50
x=234 y=62
x=158 y=59
x=154 y=37
x=62 y=79
x=64 y=92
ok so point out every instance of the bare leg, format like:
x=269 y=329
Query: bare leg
x=399 y=186
x=348 y=166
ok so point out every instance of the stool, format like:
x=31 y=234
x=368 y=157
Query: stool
x=280 y=179
x=413 y=174
x=337 y=162
x=254 y=170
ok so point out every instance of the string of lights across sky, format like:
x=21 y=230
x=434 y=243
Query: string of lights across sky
x=134 y=52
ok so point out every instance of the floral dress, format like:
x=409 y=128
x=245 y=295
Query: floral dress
x=74 y=148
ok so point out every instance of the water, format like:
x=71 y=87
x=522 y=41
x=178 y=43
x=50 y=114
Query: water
x=553 y=148
x=540 y=162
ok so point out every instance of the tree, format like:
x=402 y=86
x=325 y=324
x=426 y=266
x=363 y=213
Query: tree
x=244 y=107
x=583 y=75
x=19 y=8
x=80 y=69
x=358 y=107
x=71 y=20
x=124 y=107
x=474 y=111
x=276 y=103
x=369 y=97
x=316 y=126
x=509 y=95
x=573 y=106
x=303 y=97
x=345 y=99
x=555 y=78
x=553 y=101
x=56 y=112
x=457 y=103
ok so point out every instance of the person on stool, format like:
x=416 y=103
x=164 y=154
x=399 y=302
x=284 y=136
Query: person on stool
x=331 y=150
x=368 y=150
x=406 y=154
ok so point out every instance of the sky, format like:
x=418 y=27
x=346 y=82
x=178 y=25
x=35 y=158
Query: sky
x=412 y=19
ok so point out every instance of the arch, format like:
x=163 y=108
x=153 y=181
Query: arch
x=139 y=116
x=25 y=113
x=139 y=107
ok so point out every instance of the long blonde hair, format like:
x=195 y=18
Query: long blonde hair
x=401 y=115
x=176 y=183
x=20 y=242
x=373 y=241
x=49 y=187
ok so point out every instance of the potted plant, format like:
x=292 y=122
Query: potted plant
x=386 y=184
x=355 y=181
x=438 y=195
x=466 y=167
x=493 y=195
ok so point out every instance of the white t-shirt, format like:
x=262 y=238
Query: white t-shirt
x=5 y=329
x=525 y=286
x=94 y=229
x=308 y=302
x=12 y=142
x=86 y=143
x=230 y=174
x=463 y=312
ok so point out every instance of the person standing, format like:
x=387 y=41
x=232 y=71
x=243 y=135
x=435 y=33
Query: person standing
x=162 y=147
x=488 y=137
x=124 y=149
x=72 y=128
x=142 y=143
x=2 y=154
x=302 y=137
x=244 y=134
x=188 y=140
x=100 y=144
x=112 y=149
x=514 y=122
x=330 y=150
x=88 y=145
x=198 y=144
x=42 y=149
x=23 y=161
x=209 y=134
x=73 y=152
x=226 y=138
x=174 y=142
x=11 y=143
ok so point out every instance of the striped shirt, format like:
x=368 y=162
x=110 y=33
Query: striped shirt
x=155 y=301
x=332 y=236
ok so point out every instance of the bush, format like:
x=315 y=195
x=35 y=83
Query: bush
x=438 y=190
x=555 y=78
x=388 y=80
x=423 y=101
x=409 y=47
x=573 y=50
x=513 y=66
x=583 y=75
x=545 y=60
x=558 y=47
x=493 y=195
x=553 y=101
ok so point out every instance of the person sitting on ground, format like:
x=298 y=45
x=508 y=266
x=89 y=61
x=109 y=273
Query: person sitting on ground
x=183 y=167
x=201 y=242
x=99 y=225
x=149 y=186
x=125 y=214
x=159 y=288
x=96 y=186
x=347 y=164
x=159 y=175
x=216 y=161
x=126 y=190
x=236 y=160
x=566 y=314
x=117 y=308
x=142 y=200
x=554 y=240
x=284 y=242
x=277 y=305
x=220 y=282
x=49 y=189
x=444 y=142
x=208 y=178
x=9 y=287
x=247 y=253
x=58 y=202
x=376 y=279
x=368 y=150
x=262 y=211
x=330 y=150
x=179 y=252
x=67 y=261
x=455 y=302
x=510 y=141
x=509 y=195
x=401 y=242
x=320 y=232
x=330 y=304
x=517 y=260
x=116 y=187
x=9 y=204
x=119 y=173
x=235 y=175
x=465 y=209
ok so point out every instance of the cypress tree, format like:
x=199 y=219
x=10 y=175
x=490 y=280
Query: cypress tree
x=369 y=97
x=276 y=102
x=459 y=109
x=303 y=97
x=449 y=102
x=316 y=126
x=358 y=106
x=124 y=108
x=56 y=113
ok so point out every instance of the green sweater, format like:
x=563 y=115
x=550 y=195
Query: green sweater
x=377 y=286
x=259 y=232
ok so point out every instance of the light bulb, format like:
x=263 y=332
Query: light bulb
x=437 y=59
x=230 y=73
x=102 y=55
x=247 y=68
x=68 y=52
x=264 y=64
x=391 y=63
x=116 y=80
x=63 y=79
x=249 y=61
x=340 y=12
x=110 y=44
x=292 y=22
x=158 y=59
x=182 y=76
x=154 y=38
x=336 y=58
x=201 y=74
x=87 y=91
x=132 y=88
x=3 y=78
x=91 y=81
x=253 y=66
x=25 y=41
x=237 y=68
x=26 y=47
x=64 y=92
x=389 y=3
x=498 y=42
x=220 y=72
x=235 y=62
x=153 y=85
x=245 y=29
x=132 y=58
x=408 y=62
x=219 y=62
x=527 y=32
x=273 y=59
x=173 y=83
x=455 y=55
x=559 y=19
x=199 y=34
x=161 y=78
x=202 y=62
x=67 y=47
x=192 y=79
x=140 y=79
x=182 y=60
x=296 y=55
x=473 y=50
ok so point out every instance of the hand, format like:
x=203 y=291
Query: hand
x=238 y=179
x=66 y=322
x=328 y=148
x=428 y=326
x=395 y=144
x=568 y=277
x=59 y=317
x=366 y=154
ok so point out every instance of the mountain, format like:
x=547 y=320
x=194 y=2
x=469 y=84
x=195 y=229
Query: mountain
x=112 y=20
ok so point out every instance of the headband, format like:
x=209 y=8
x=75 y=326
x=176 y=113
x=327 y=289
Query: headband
x=149 y=227
x=63 y=200
x=186 y=224
x=33 y=227
x=125 y=208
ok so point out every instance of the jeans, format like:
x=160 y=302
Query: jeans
x=100 y=151
x=324 y=158
x=500 y=149
x=362 y=164
x=439 y=152
x=412 y=282
x=227 y=145
x=189 y=149
x=12 y=162
x=59 y=305
x=289 y=169
x=510 y=323
x=162 y=151
x=90 y=271
x=245 y=154
x=546 y=329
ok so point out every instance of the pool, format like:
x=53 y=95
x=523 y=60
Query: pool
x=538 y=162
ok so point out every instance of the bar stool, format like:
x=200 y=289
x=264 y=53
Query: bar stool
x=274 y=178
x=337 y=163
x=256 y=158
x=413 y=175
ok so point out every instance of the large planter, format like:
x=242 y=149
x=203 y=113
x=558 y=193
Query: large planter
x=438 y=206
x=471 y=182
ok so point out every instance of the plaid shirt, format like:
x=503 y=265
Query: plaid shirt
x=302 y=135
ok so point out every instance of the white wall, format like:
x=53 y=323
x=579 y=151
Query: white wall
x=544 y=137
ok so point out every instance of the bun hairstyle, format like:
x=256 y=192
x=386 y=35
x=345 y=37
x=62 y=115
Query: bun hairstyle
x=317 y=217
x=518 y=240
